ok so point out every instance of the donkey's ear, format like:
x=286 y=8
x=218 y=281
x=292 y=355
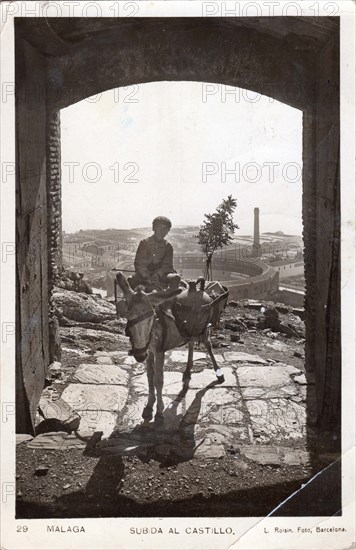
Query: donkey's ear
x=157 y=298
x=124 y=285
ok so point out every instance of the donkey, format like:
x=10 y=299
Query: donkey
x=145 y=328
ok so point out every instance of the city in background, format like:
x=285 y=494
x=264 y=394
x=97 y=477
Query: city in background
x=250 y=262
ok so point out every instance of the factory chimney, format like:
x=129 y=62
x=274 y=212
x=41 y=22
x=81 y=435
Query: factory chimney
x=256 y=233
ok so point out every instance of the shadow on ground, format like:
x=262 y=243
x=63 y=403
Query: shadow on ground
x=101 y=499
x=169 y=444
x=103 y=495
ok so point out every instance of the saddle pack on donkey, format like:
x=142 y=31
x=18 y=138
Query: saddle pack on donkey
x=197 y=306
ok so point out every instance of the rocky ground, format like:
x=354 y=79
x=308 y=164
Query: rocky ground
x=236 y=449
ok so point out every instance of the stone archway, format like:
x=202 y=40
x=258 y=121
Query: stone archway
x=61 y=61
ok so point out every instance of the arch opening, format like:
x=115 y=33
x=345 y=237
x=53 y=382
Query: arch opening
x=307 y=56
x=180 y=148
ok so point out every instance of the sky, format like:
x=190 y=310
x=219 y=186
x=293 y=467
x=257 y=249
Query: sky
x=177 y=149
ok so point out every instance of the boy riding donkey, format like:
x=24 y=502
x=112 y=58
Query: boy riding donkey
x=161 y=316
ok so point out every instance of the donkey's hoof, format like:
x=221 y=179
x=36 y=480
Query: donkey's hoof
x=221 y=379
x=147 y=413
x=159 y=419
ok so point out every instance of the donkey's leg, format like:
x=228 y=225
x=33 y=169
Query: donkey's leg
x=209 y=347
x=158 y=382
x=187 y=374
x=148 y=410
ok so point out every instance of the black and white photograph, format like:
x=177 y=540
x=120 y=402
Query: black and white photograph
x=177 y=238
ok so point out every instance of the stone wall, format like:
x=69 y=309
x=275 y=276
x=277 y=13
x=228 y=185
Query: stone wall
x=321 y=222
x=192 y=49
x=32 y=354
x=328 y=314
x=54 y=224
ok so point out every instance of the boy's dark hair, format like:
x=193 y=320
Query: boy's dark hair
x=161 y=220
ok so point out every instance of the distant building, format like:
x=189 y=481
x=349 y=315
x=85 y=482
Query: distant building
x=287 y=268
x=76 y=262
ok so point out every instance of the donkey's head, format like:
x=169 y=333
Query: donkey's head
x=140 y=315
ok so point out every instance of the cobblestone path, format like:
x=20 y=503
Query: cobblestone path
x=260 y=410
